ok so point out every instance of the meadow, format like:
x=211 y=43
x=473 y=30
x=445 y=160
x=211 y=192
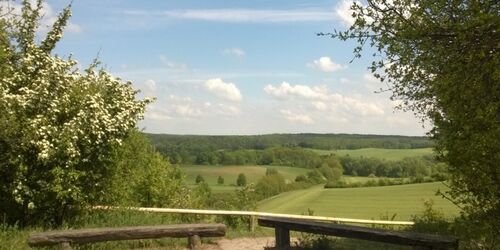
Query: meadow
x=253 y=173
x=361 y=203
x=380 y=153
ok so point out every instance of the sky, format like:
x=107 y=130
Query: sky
x=235 y=67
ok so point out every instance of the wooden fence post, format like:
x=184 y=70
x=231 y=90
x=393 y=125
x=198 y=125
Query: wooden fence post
x=252 y=223
x=282 y=236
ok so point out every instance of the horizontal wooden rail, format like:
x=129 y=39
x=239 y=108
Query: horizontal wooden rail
x=79 y=236
x=283 y=227
x=257 y=214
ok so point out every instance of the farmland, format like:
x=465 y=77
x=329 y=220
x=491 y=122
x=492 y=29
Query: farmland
x=362 y=203
x=380 y=153
x=230 y=174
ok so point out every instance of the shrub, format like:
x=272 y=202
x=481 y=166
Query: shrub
x=199 y=179
x=62 y=125
x=220 y=180
x=241 y=180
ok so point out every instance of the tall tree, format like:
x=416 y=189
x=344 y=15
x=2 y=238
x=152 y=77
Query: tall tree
x=58 y=125
x=440 y=58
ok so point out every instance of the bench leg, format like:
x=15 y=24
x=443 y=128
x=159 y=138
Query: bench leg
x=282 y=236
x=65 y=246
x=194 y=242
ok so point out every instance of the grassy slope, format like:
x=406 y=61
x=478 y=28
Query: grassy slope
x=362 y=203
x=381 y=153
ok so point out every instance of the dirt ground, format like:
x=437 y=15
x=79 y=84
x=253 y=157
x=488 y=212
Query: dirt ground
x=259 y=243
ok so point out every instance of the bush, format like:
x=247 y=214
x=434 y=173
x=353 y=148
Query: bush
x=61 y=125
x=270 y=185
x=142 y=177
x=220 y=180
x=241 y=180
x=199 y=179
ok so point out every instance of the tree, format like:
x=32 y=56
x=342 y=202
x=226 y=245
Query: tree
x=441 y=60
x=199 y=179
x=241 y=180
x=143 y=177
x=59 y=124
x=220 y=180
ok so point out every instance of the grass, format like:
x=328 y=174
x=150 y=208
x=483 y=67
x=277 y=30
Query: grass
x=381 y=153
x=230 y=174
x=15 y=238
x=360 y=203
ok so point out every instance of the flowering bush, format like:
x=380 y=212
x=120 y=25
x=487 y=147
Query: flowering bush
x=58 y=124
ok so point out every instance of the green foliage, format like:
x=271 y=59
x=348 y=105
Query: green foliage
x=431 y=220
x=58 y=125
x=241 y=180
x=200 y=196
x=191 y=149
x=199 y=179
x=331 y=168
x=380 y=153
x=301 y=178
x=270 y=184
x=315 y=176
x=407 y=167
x=442 y=60
x=220 y=180
x=142 y=177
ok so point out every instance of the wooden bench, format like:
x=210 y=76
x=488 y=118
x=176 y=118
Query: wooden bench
x=66 y=237
x=283 y=226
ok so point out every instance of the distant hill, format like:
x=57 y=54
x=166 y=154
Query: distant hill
x=196 y=149
x=315 y=141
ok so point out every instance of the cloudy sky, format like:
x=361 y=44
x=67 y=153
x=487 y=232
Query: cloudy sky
x=235 y=67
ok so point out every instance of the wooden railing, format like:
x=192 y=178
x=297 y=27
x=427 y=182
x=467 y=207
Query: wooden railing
x=283 y=226
x=253 y=215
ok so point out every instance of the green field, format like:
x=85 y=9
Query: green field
x=230 y=174
x=360 y=203
x=381 y=153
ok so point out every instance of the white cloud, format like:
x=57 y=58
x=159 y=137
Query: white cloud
x=344 y=80
x=321 y=99
x=321 y=106
x=287 y=91
x=150 y=85
x=326 y=64
x=371 y=82
x=156 y=114
x=235 y=52
x=294 y=117
x=185 y=108
x=343 y=12
x=223 y=90
x=242 y=15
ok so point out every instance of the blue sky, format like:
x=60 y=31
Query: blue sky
x=235 y=67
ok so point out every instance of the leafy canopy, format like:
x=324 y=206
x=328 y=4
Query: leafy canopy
x=441 y=60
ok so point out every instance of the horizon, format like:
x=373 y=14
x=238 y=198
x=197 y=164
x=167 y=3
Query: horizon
x=228 y=68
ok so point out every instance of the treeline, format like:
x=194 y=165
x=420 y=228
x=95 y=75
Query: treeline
x=293 y=157
x=192 y=149
x=407 y=167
